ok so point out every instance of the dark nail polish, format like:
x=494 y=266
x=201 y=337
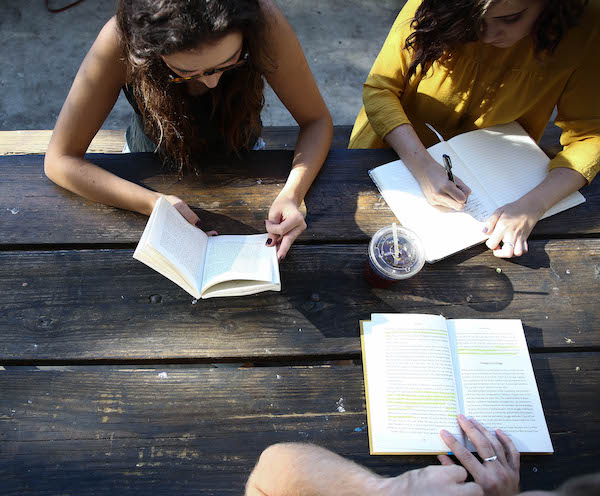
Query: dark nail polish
x=269 y=241
x=485 y=230
x=197 y=224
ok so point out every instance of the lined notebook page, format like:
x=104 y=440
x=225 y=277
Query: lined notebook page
x=443 y=231
x=508 y=163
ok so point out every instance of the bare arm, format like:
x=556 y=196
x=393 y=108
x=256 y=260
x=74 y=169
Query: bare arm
x=292 y=469
x=295 y=86
x=90 y=100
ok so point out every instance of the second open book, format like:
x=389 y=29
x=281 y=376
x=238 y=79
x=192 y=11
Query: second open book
x=206 y=266
x=421 y=371
x=500 y=164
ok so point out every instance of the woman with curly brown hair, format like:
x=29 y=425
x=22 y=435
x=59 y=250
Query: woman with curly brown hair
x=194 y=73
x=469 y=64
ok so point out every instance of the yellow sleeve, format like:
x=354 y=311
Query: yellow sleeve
x=385 y=84
x=579 y=116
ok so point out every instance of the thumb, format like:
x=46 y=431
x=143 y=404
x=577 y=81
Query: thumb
x=490 y=224
x=187 y=213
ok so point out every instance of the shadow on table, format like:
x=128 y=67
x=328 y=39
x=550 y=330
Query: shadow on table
x=336 y=298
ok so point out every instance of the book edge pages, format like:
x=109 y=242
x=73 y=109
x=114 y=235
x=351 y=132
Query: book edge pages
x=364 y=359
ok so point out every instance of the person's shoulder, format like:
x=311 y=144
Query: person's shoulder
x=109 y=37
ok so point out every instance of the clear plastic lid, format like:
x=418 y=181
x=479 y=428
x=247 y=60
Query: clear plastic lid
x=409 y=260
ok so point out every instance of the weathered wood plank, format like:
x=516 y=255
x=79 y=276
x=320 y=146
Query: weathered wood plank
x=96 y=430
x=28 y=142
x=98 y=304
x=232 y=196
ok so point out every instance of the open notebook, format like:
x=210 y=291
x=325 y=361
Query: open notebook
x=206 y=266
x=500 y=164
x=421 y=371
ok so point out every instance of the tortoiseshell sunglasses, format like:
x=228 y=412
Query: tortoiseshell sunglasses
x=178 y=79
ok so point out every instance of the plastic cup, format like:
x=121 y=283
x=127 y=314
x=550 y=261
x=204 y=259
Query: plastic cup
x=384 y=268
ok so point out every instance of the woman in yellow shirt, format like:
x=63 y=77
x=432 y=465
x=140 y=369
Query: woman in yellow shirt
x=471 y=64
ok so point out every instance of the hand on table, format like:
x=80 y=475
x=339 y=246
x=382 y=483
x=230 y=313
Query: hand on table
x=439 y=190
x=499 y=477
x=187 y=213
x=434 y=480
x=285 y=224
x=512 y=224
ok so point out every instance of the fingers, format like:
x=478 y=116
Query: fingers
x=272 y=239
x=456 y=193
x=286 y=225
x=452 y=197
x=187 y=213
x=472 y=489
x=496 y=445
x=490 y=226
x=462 y=186
x=513 y=457
x=445 y=460
x=212 y=233
x=462 y=454
x=287 y=240
x=484 y=447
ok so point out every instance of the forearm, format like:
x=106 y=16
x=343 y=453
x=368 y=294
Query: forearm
x=410 y=149
x=312 y=147
x=292 y=469
x=94 y=183
x=558 y=184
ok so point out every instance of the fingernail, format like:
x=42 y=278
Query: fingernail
x=485 y=230
x=444 y=432
x=197 y=224
x=462 y=417
x=269 y=241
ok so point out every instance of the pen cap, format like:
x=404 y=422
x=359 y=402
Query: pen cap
x=411 y=255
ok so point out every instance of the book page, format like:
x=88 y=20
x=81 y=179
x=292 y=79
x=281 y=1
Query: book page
x=508 y=163
x=499 y=387
x=410 y=382
x=182 y=244
x=245 y=258
x=442 y=230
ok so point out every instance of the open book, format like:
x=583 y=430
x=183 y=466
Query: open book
x=500 y=164
x=421 y=371
x=206 y=266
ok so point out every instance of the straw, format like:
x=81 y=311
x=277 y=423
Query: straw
x=396 y=249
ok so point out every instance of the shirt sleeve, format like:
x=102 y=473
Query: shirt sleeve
x=385 y=84
x=579 y=117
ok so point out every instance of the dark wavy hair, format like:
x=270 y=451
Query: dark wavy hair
x=152 y=28
x=439 y=26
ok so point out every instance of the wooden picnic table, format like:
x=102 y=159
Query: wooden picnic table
x=105 y=376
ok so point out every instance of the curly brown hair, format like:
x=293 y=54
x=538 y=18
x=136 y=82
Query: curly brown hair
x=440 y=26
x=150 y=29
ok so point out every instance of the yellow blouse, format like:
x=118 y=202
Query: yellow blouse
x=481 y=85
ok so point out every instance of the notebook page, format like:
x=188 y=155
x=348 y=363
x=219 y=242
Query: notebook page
x=508 y=163
x=412 y=395
x=182 y=244
x=239 y=257
x=443 y=231
x=499 y=387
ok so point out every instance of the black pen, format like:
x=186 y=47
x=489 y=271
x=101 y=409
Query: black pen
x=448 y=167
